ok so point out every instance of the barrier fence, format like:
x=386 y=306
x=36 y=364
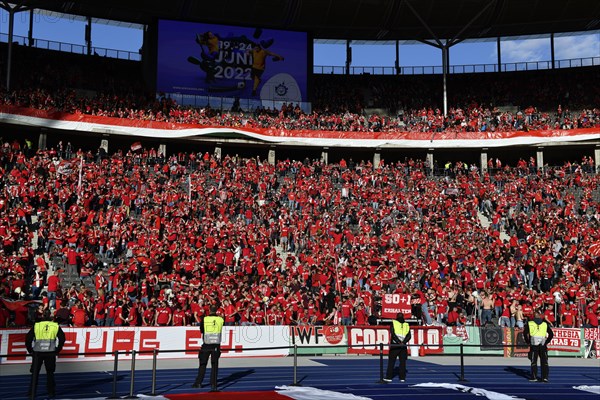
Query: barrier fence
x=331 y=69
x=93 y=343
x=293 y=351
x=456 y=69
x=71 y=47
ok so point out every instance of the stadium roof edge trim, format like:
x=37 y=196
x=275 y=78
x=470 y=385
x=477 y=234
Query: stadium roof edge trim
x=355 y=19
x=473 y=40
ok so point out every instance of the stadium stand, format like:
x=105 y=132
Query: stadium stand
x=145 y=240
x=308 y=224
x=136 y=238
x=108 y=87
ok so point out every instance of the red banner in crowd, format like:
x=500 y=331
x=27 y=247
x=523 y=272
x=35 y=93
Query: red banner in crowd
x=97 y=341
x=566 y=339
x=366 y=339
x=392 y=304
x=593 y=335
x=521 y=348
x=429 y=336
x=136 y=146
x=282 y=133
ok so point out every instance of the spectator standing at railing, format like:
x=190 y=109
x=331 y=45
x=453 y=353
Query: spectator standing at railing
x=486 y=312
x=111 y=308
x=79 y=316
x=347 y=312
x=519 y=317
x=99 y=312
x=53 y=288
x=567 y=316
x=163 y=315
x=591 y=316
x=37 y=283
x=453 y=317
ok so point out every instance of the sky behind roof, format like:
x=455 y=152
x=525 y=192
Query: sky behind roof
x=119 y=38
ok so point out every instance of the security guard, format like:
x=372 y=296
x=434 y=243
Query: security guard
x=538 y=333
x=211 y=328
x=400 y=335
x=44 y=341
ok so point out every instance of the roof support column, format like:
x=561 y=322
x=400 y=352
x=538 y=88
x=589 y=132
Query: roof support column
x=43 y=139
x=449 y=43
x=271 y=156
x=430 y=163
x=445 y=69
x=397 y=57
x=30 y=32
x=539 y=159
x=11 y=28
x=552 y=49
x=325 y=155
x=12 y=10
x=483 y=161
x=88 y=36
x=376 y=158
x=348 y=56
x=499 y=51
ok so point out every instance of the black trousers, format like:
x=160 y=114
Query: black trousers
x=540 y=352
x=397 y=352
x=212 y=351
x=39 y=359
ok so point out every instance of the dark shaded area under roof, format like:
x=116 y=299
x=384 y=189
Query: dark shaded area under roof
x=384 y=20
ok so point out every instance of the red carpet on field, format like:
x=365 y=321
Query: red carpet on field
x=264 y=395
x=280 y=393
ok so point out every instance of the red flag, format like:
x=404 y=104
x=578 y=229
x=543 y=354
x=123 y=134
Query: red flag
x=136 y=146
x=594 y=249
x=14 y=305
x=65 y=167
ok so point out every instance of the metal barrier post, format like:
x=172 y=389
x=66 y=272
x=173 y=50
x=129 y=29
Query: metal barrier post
x=295 y=383
x=132 y=380
x=462 y=364
x=115 y=372
x=381 y=364
x=154 y=356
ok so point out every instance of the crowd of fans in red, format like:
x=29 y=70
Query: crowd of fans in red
x=298 y=242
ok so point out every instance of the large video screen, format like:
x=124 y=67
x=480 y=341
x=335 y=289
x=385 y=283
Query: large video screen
x=232 y=61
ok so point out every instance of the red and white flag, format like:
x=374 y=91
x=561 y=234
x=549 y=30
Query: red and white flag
x=136 y=146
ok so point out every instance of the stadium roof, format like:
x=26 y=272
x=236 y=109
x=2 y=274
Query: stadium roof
x=362 y=20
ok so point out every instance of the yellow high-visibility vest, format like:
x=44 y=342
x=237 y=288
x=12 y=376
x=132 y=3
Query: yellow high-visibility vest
x=45 y=333
x=400 y=329
x=213 y=325
x=537 y=332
